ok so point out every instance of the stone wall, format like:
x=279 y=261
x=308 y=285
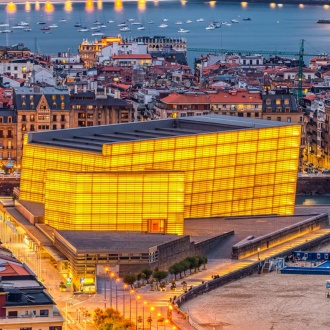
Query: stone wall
x=313 y=184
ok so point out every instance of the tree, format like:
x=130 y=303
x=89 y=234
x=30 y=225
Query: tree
x=110 y=319
x=129 y=279
x=174 y=270
x=204 y=261
x=159 y=275
x=193 y=263
x=147 y=273
x=185 y=266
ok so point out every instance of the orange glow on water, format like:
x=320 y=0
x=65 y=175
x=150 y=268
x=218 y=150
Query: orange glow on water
x=142 y=5
x=183 y=2
x=99 y=4
x=49 y=7
x=68 y=6
x=37 y=5
x=156 y=2
x=212 y=3
x=11 y=8
x=27 y=6
x=244 y=4
x=301 y=5
x=89 y=6
x=272 y=5
x=326 y=6
x=118 y=5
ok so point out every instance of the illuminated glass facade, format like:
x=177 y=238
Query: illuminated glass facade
x=232 y=167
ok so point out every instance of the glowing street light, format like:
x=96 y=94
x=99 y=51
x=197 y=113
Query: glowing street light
x=124 y=287
x=117 y=280
x=111 y=276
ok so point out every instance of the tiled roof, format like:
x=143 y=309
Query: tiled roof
x=13 y=270
x=132 y=56
x=239 y=97
x=176 y=98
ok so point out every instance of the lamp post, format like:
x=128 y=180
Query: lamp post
x=130 y=304
x=136 y=309
x=117 y=280
x=166 y=321
x=152 y=308
x=158 y=316
x=111 y=276
x=144 y=303
x=105 y=287
x=258 y=253
x=124 y=287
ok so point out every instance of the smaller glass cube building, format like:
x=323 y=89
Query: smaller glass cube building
x=149 y=176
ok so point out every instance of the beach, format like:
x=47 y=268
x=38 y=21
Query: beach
x=265 y=301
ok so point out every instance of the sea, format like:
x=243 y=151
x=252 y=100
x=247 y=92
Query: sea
x=273 y=27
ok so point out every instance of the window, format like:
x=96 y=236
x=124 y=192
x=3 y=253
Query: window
x=286 y=101
x=54 y=127
x=278 y=101
x=23 y=117
x=26 y=328
x=256 y=114
x=23 y=127
x=269 y=109
x=1 y=120
x=278 y=119
x=289 y=119
x=268 y=101
x=287 y=109
x=9 y=155
x=12 y=314
x=62 y=117
x=32 y=128
x=248 y=114
x=269 y=118
x=56 y=327
x=62 y=126
x=32 y=118
x=44 y=312
x=10 y=134
x=54 y=118
x=10 y=120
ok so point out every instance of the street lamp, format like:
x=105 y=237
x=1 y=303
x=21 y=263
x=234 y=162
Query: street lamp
x=124 y=287
x=152 y=308
x=144 y=303
x=136 y=309
x=105 y=287
x=130 y=304
x=158 y=316
x=258 y=253
x=117 y=280
x=166 y=321
x=111 y=276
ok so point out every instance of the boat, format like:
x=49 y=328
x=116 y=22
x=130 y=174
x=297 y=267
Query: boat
x=125 y=29
x=151 y=22
x=200 y=20
x=188 y=21
x=97 y=23
x=178 y=23
x=62 y=20
x=136 y=23
x=95 y=28
x=163 y=25
x=110 y=21
x=183 y=31
x=247 y=19
x=131 y=19
x=4 y=25
x=6 y=31
x=141 y=28
x=53 y=26
x=97 y=34
x=41 y=23
x=27 y=29
x=23 y=23
x=226 y=23
x=122 y=24
x=18 y=27
x=165 y=20
x=323 y=21
x=46 y=28
x=102 y=26
x=234 y=21
x=210 y=27
x=83 y=29
x=77 y=24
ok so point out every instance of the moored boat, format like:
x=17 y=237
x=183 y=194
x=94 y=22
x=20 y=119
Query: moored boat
x=323 y=21
x=183 y=31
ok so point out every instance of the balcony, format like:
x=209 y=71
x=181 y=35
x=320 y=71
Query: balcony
x=21 y=320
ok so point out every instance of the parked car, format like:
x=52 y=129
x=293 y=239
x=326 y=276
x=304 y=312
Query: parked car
x=2 y=172
x=17 y=173
x=326 y=171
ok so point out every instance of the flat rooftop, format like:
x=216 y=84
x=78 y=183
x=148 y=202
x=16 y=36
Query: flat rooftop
x=87 y=241
x=93 y=138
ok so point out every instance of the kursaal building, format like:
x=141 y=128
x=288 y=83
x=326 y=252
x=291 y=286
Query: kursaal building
x=149 y=176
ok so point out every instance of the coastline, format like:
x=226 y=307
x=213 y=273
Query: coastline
x=298 y=2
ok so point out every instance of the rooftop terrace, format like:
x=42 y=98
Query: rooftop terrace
x=93 y=138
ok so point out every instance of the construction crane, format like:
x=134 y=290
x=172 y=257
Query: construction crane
x=301 y=53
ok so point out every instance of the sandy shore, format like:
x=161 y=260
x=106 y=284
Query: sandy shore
x=271 y=301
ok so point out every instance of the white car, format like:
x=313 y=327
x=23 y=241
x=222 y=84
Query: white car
x=16 y=173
